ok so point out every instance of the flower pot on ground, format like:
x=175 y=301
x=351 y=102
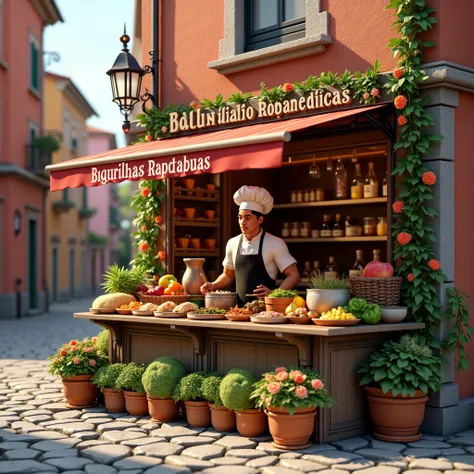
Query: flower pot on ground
x=235 y=391
x=130 y=381
x=323 y=295
x=105 y=379
x=222 y=418
x=278 y=300
x=189 y=391
x=160 y=379
x=397 y=379
x=291 y=398
x=76 y=363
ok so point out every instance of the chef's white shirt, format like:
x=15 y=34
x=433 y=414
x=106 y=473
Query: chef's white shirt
x=276 y=256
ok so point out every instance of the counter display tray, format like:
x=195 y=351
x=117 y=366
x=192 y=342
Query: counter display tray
x=335 y=323
x=102 y=310
x=169 y=314
x=142 y=313
x=281 y=320
x=238 y=317
x=125 y=312
x=197 y=316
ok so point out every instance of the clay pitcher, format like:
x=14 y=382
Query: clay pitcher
x=194 y=276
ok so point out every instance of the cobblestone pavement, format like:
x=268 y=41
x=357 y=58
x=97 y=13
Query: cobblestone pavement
x=38 y=434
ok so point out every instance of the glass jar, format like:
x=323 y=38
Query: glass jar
x=382 y=226
x=305 y=229
x=293 y=196
x=285 y=229
x=312 y=195
x=299 y=196
x=370 y=226
x=294 y=229
x=319 y=194
x=306 y=195
x=315 y=233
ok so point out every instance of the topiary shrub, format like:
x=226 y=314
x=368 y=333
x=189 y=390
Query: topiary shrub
x=161 y=377
x=236 y=388
x=190 y=388
x=103 y=341
x=130 y=378
x=107 y=376
x=210 y=390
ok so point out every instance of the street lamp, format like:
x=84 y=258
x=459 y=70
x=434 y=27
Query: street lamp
x=126 y=80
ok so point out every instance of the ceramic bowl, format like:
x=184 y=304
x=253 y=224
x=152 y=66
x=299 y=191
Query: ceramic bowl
x=394 y=314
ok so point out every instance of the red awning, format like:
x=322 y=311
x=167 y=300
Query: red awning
x=249 y=147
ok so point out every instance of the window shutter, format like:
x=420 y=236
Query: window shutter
x=34 y=80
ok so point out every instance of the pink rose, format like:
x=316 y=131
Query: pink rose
x=73 y=342
x=76 y=360
x=282 y=376
x=92 y=362
x=164 y=128
x=366 y=95
x=280 y=369
x=55 y=359
x=269 y=377
x=88 y=349
x=74 y=348
x=294 y=373
x=301 y=392
x=274 y=388
x=374 y=92
x=317 y=384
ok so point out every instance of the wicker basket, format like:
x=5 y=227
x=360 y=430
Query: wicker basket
x=178 y=299
x=381 y=291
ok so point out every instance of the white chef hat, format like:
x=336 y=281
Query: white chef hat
x=254 y=198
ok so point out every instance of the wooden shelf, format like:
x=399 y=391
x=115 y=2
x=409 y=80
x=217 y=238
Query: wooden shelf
x=180 y=197
x=336 y=239
x=341 y=202
x=196 y=253
x=198 y=222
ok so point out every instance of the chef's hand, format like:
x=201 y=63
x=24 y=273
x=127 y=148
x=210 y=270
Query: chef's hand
x=207 y=287
x=261 y=291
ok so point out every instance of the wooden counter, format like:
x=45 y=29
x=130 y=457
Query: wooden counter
x=335 y=352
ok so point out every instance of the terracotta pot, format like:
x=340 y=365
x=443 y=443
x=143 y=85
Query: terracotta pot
x=198 y=191
x=182 y=242
x=211 y=187
x=291 y=431
x=222 y=418
x=210 y=244
x=114 y=400
x=194 y=276
x=198 y=414
x=396 y=419
x=210 y=214
x=196 y=243
x=277 y=304
x=188 y=183
x=189 y=212
x=251 y=423
x=135 y=403
x=162 y=409
x=80 y=392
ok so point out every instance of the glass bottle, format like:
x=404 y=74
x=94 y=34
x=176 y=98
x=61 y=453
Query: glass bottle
x=358 y=266
x=326 y=228
x=384 y=186
x=382 y=226
x=307 y=270
x=341 y=180
x=316 y=268
x=331 y=271
x=371 y=183
x=338 y=228
x=376 y=255
x=357 y=186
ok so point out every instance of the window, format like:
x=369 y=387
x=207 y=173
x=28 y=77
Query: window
x=84 y=197
x=66 y=128
x=74 y=140
x=271 y=22
x=66 y=195
x=34 y=64
x=33 y=155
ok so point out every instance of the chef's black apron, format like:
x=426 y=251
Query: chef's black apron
x=250 y=272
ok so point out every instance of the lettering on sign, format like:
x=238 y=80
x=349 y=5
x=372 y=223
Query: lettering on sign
x=153 y=169
x=238 y=113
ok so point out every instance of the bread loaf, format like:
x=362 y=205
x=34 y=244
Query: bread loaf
x=112 y=300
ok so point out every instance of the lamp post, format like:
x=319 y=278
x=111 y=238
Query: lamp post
x=126 y=80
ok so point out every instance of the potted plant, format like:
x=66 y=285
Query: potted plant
x=279 y=299
x=189 y=390
x=76 y=363
x=291 y=398
x=159 y=380
x=130 y=381
x=323 y=295
x=235 y=391
x=105 y=379
x=397 y=379
x=222 y=418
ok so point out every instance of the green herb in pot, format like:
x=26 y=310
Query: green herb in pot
x=279 y=293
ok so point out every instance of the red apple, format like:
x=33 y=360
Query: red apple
x=159 y=291
x=378 y=269
x=141 y=289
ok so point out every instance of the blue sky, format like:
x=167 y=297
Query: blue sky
x=88 y=43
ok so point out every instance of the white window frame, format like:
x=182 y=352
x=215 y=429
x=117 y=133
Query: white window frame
x=232 y=55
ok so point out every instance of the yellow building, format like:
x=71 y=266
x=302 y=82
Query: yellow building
x=65 y=113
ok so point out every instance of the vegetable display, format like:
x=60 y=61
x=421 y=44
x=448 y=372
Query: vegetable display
x=369 y=313
x=210 y=311
x=279 y=293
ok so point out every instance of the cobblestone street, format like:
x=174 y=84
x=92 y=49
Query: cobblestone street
x=38 y=434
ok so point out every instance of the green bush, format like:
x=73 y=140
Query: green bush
x=161 y=377
x=236 y=388
x=106 y=377
x=131 y=378
x=190 y=388
x=103 y=341
x=210 y=390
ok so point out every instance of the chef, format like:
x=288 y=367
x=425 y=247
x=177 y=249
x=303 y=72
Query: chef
x=255 y=258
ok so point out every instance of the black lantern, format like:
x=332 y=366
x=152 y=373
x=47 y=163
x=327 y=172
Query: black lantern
x=126 y=79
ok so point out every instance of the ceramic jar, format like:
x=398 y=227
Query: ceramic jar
x=194 y=276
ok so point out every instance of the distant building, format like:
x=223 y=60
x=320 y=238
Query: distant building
x=104 y=226
x=66 y=112
x=23 y=182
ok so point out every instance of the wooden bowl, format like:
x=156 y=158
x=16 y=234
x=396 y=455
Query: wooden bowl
x=303 y=320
